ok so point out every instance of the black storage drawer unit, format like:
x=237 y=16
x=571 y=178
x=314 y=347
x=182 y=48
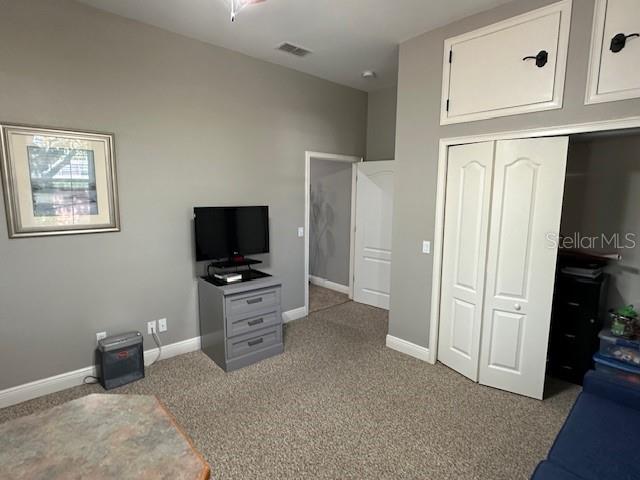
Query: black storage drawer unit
x=576 y=319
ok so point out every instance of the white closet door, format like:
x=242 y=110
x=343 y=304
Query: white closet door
x=467 y=201
x=527 y=202
x=374 y=214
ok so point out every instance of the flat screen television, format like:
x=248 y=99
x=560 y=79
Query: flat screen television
x=225 y=232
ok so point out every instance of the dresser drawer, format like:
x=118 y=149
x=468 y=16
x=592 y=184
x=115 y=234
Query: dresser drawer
x=253 y=321
x=239 y=305
x=253 y=342
x=579 y=294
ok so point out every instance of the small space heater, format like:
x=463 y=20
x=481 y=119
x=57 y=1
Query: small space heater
x=120 y=359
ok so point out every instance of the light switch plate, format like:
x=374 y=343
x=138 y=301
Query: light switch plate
x=426 y=246
x=300 y=232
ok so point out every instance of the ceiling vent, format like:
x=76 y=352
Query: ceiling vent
x=293 y=49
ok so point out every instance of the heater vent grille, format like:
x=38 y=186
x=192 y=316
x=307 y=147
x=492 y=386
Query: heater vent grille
x=293 y=49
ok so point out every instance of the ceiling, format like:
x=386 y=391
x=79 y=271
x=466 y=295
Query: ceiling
x=344 y=36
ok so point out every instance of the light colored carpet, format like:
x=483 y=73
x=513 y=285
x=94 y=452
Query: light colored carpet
x=339 y=404
x=321 y=298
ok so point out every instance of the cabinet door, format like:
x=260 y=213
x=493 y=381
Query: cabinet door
x=466 y=225
x=525 y=217
x=614 y=75
x=486 y=72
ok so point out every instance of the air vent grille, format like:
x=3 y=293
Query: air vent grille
x=293 y=49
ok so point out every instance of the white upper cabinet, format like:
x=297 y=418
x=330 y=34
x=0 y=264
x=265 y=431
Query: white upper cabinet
x=514 y=66
x=614 y=69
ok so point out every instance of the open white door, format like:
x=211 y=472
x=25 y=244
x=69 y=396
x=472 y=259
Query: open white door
x=374 y=209
x=468 y=197
x=528 y=187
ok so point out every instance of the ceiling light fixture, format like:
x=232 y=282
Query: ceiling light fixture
x=369 y=74
x=237 y=5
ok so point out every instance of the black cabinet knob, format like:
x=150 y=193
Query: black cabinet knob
x=619 y=41
x=541 y=58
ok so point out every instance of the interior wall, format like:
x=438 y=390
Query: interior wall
x=602 y=194
x=417 y=140
x=381 y=124
x=330 y=220
x=194 y=125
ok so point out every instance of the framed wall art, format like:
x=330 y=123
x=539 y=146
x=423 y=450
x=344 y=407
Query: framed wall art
x=58 y=182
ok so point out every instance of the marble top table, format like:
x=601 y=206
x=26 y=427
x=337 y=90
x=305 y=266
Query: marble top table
x=99 y=437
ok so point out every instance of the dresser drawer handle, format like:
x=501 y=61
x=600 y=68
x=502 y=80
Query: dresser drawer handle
x=254 y=300
x=573 y=304
x=568 y=335
x=255 y=322
x=258 y=341
x=566 y=367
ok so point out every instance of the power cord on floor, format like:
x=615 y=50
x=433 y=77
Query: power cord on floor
x=159 y=344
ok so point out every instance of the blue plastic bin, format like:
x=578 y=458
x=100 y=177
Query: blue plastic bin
x=617 y=369
x=620 y=349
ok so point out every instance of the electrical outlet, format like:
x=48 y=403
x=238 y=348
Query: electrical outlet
x=100 y=336
x=300 y=232
x=162 y=325
x=151 y=327
x=426 y=246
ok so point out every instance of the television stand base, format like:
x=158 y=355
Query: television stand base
x=246 y=276
x=235 y=263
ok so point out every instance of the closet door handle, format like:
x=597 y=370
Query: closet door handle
x=517 y=307
x=541 y=58
x=619 y=41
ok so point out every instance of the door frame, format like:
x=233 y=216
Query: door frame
x=443 y=151
x=354 y=160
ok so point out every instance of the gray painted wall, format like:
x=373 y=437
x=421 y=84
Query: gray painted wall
x=194 y=125
x=601 y=196
x=381 y=124
x=330 y=220
x=418 y=133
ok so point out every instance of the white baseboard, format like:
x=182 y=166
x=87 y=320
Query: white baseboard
x=45 y=386
x=172 y=350
x=323 y=282
x=408 y=348
x=295 y=314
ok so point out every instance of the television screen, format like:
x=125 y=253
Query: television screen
x=222 y=232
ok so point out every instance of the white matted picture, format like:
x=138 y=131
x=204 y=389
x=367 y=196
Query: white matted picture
x=58 y=182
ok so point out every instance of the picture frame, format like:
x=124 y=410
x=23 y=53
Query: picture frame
x=58 y=181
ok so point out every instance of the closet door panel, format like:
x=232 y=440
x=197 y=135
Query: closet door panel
x=520 y=182
x=613 y=75
x=467 y=200
x=621 y=71
x=495 y=70
x=527 y=203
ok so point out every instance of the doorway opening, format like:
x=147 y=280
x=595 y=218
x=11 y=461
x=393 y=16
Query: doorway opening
x=598 y=267
x=329 y=227
x=588 y=206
